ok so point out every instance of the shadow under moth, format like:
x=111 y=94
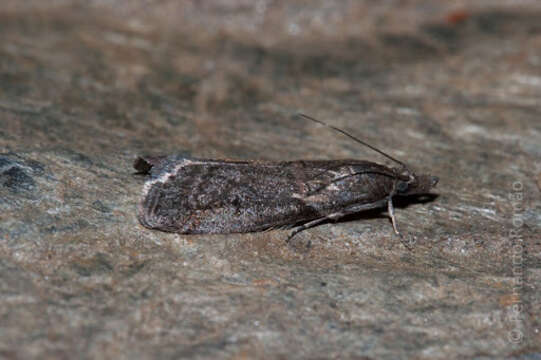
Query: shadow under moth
x=201 y=196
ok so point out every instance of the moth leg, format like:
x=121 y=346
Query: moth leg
x=308 y=225
x=408 y=243
x=390 y=209
x=352 y=209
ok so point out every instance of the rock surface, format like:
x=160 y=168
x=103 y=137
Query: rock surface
x=453 y=90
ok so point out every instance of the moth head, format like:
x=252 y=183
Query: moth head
x=411 y=184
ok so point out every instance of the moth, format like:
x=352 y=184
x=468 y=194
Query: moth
x=203 y=196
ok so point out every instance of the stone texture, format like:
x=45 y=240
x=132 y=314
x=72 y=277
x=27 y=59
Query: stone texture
x=451 y=88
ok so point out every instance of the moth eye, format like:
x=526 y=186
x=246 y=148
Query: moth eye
x=402 y=186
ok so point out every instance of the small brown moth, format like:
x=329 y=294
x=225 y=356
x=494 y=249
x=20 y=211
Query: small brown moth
x=202 y=196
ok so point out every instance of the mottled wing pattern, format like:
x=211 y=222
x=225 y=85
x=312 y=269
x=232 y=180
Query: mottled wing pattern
x=209 y=196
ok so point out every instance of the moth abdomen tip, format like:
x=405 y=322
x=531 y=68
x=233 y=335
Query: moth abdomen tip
x=141 y=165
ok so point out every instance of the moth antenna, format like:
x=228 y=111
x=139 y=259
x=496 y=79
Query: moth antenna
x=355 y=139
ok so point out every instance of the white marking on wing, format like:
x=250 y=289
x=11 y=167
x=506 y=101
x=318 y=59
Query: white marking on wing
x=166 y=175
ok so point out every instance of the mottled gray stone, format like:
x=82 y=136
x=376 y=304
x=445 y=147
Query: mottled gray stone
x=452 y=91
